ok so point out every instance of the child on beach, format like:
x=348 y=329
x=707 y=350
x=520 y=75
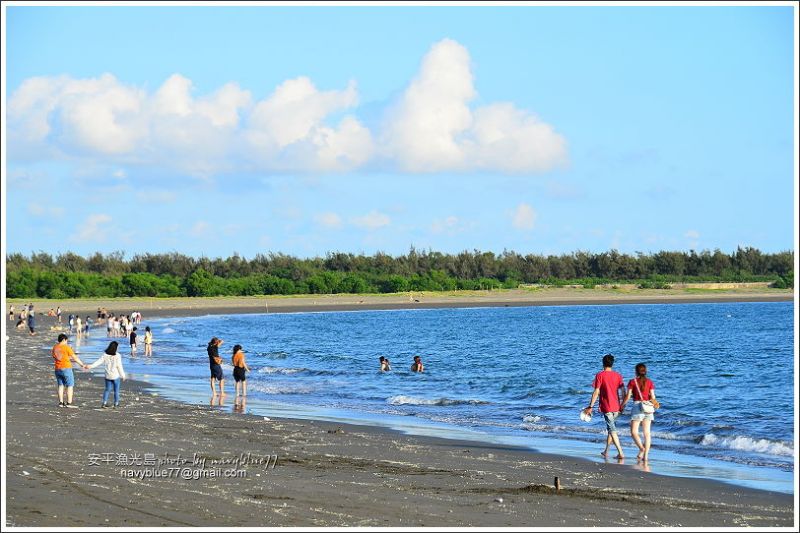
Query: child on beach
x=239 y=371
x=215 y=366
x=642 y=389
x=114 y=373
x=62 y=358
x=132 y=339
x=148 y=341
x=607 y=384
x=417 y=366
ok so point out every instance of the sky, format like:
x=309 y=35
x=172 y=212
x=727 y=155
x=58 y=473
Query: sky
x=307 y=130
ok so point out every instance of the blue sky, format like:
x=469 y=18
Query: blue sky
x=214 y=130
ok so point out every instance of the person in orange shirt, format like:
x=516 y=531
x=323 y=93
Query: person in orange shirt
x=239 y=370
x=62 y=357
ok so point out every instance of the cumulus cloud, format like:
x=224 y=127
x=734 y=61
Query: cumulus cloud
x=298 y=127
x=449 y=225
x=523 y=217
x=372 y=220
x=94 y=229
x=329 y=220
x=433 y=128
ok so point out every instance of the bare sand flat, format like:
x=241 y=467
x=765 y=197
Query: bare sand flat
x=427 y=300
x=61 y=468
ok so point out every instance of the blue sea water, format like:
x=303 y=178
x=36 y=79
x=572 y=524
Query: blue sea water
x=723 y=373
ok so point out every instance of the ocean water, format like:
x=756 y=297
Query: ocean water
x=723 y=373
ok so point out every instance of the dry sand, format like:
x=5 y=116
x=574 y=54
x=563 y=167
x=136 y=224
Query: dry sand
x=427 y=300
x=325 y=475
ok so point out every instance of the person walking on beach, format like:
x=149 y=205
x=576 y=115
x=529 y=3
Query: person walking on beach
x=607 y=384
x=385 y=366
x=148 y=341
x=417 y=365
x=11 y=313
x=240 y=370
x=79 y=326
x=641 y=389
x=58 y=314
x=114 y=374
x=62 y=358
x=215 y=365
x=132 y=340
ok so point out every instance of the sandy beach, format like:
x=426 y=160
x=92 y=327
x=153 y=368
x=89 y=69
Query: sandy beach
x=64 y=467
x=427 y=300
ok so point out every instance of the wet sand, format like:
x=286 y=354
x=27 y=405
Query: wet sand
x=324 y=474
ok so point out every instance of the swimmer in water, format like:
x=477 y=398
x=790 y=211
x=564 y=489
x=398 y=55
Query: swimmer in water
x=417 y=366
x=385 y=366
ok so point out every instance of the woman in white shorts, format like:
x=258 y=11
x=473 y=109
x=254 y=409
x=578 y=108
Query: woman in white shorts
x=641 y=389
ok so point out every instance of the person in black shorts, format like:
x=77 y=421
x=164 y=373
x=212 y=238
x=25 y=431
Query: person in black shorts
x=215 y=365
x=133 y=341
x=240 y=370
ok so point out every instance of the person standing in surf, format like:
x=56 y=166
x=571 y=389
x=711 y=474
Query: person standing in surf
x=607 y=386
x=240 y=370
x=641 y=389
x=215 y=366
x=417 y=366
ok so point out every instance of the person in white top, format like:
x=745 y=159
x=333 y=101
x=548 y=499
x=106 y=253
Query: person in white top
x=114 y=372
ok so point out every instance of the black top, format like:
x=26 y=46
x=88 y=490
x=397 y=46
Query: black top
x=213 y=352
x=133 y=337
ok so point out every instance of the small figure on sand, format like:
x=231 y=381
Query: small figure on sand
x=215 y=365
x=114 y=374
x=62 y=358
x=417 y=366
x=642 y=390
x=148 y=341
x=385 y=365
x=608 y=386
x=11 y=313
x=240 y=370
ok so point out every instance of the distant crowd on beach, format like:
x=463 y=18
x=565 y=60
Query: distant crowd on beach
x=608 y=385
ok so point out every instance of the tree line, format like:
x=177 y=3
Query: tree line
x=70 y=275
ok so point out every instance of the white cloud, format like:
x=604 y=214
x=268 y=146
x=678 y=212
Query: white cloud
x=449 y=225
x=524 y=217
x=44 y=211
x=200 y=229
x=432 y=127
x=298 y=127
x=372 y=220
x=95 y=229
x=156 y=196
x=329 y=220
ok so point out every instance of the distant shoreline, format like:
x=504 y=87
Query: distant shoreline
x=429 y=300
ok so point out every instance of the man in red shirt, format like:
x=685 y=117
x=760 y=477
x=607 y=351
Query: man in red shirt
x=609 y=387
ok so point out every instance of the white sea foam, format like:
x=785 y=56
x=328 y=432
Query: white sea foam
x=747 y=444
x=532 y=419
x=280 y=388
x=167 y=330
x=411 y=400
x=280 y=370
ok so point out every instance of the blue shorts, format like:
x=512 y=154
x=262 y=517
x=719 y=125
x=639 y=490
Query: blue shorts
x=611 y=421
x=638 y=414
x=216 y=373
x=65 y=377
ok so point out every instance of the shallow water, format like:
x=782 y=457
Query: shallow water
x=723 y=373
